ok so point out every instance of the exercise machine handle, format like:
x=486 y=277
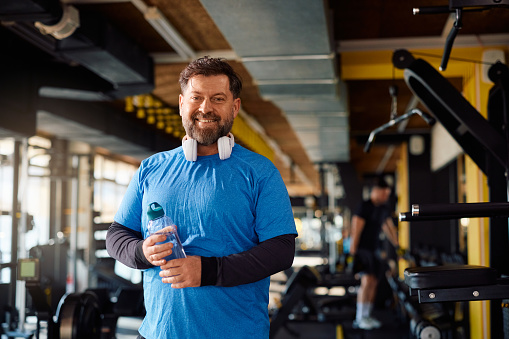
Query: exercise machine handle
x=425 y=116
x=462 y=210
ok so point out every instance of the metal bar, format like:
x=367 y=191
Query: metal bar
x=73 y=243
x=14 y=222
x=461 y=210
x=407 y=216
x=22 y=228
x=431 y=10
x=426 y=117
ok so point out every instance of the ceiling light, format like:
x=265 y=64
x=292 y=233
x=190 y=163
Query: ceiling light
x=168 y=32
x=65 y=27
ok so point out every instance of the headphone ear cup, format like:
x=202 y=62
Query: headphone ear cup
x=224 y=146
x=190 y=147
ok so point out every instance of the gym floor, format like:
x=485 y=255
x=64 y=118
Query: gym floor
x=392 y=327
x=127 y=328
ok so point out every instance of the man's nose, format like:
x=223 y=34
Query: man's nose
x=206 y=106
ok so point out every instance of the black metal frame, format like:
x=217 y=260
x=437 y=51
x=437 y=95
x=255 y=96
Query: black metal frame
x=458 y=6
x=486 y=142
x=426 y=212
x=469 y=293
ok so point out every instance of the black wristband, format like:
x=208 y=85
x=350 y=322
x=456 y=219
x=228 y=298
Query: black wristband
x=208 y=271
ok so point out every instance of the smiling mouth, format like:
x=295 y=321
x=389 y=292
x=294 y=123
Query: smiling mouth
x=205 y=120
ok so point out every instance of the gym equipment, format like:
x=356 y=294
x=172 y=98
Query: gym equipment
x=458 y=7
x=471 y=130
x=426 y=117
x=87 y=315
x=425 y=212
x=79 y=316
x=477 y=136
x=456 y=283
x=486 y=142
x=299 y=303
x=52 y=268
x=422 y=324
x=296 y=290
x=9 y=315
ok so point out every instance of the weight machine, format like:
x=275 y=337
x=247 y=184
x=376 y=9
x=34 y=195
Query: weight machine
x=486 y=142
x=458 y=7
x=87 y=315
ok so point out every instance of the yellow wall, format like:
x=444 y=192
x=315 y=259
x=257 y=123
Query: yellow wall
x=476 y=92
x=403 y=206
x=378 y=64
x=251 y=138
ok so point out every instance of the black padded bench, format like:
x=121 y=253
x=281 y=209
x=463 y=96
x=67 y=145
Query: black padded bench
x=455 y=283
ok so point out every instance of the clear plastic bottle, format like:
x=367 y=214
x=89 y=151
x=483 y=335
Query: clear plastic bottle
x=157 y=220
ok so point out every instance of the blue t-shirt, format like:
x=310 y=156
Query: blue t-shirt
x=220 y=207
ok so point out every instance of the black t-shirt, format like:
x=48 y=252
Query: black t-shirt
x=374 y=217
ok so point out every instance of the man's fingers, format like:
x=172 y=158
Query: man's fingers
x=161 y=250
x=182 y=273
x=158 y=262
x=154 y=252
x=176 y=282
x=173 y=264
x=155 y=238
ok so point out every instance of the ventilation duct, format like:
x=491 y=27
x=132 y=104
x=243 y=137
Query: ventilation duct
x=96 y=45
x=286 y=47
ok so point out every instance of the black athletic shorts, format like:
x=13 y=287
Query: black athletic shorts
x=367 y=262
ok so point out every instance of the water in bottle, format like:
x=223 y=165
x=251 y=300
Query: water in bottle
x=157 y=222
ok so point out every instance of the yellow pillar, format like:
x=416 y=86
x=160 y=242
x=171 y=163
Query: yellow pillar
x=476 y=190
x=403 y=205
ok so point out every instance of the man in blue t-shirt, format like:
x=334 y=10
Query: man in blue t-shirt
x=232 y=212
x=371 y=217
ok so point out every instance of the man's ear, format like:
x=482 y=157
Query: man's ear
x=236 y=107
x=181 y=98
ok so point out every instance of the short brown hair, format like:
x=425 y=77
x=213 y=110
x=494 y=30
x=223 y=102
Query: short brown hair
x=208 y=66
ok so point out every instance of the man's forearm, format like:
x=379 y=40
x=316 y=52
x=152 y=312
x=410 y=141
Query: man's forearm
x=357 y=227
x=125 y=245
x=263 y=260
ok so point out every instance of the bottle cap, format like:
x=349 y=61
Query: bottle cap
x=154 y=211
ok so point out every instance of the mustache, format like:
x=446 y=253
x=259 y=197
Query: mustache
x=207 y=116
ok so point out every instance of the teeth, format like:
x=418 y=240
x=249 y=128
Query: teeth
x=205 y=120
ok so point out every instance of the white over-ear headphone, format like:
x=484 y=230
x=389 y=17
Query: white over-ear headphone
x=224 y=146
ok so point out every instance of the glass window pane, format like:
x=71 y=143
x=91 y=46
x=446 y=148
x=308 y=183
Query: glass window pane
x=109 y=169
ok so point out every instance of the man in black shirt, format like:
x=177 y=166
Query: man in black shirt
x=372 y=216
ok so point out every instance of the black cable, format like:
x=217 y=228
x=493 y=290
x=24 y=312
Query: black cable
x=456 y=59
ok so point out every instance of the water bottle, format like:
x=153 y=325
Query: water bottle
x=157 y=220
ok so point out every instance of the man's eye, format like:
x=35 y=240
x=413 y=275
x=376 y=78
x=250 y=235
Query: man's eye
x=218 y=99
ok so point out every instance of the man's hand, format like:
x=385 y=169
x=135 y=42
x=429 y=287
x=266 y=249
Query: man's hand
x=155 y=253
x=180 y=273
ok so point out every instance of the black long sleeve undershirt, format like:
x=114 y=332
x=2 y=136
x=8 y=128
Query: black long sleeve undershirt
x=268 y=257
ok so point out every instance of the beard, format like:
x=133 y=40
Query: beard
x=210 y=135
